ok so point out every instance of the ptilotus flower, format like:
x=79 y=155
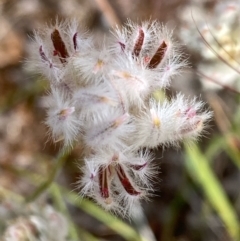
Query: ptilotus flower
x=101 y=97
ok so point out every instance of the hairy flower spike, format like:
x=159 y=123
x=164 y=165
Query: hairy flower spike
x=101 y=97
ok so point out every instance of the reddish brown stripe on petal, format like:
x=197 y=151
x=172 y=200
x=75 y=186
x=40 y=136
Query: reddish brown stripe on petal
x=103 y=182
x=125 y=181
x=59 y=46
x=75 y=41
x=43 y=56
x=158 y=56
x=138 y=167
x=139 y=43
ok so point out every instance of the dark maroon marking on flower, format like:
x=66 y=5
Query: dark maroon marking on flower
x=139 y=43
x=138 y=167
x=158 y=56
x=122 y=45
x=59 y=45
x=44 y=57
x=103 y=182
x=75 y=41
x=125 y=181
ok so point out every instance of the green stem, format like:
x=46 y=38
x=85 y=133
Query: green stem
x=123 y=229
x=61 y=205
x=200 y=170
x=6 y=193
x=60 y=160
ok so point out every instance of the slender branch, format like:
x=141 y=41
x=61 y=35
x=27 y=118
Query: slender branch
x=218 y=83
x=108 y=12
x=222 y=47
x=213 y=50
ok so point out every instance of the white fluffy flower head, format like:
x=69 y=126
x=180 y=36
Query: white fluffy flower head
x=103 y=98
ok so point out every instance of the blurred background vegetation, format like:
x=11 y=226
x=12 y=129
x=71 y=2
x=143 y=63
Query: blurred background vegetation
x=197 y=194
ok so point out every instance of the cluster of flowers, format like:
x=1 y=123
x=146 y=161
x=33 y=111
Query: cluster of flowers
x=101 y=98
x=217 y=41
x=35 y=222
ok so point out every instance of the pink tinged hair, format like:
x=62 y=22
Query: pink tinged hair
x=139 y=43
x=158 y=56
x=119 y=96
x=192 y=127
x=113 y=125
x=63 y=114
x=190 y=112
x=93 y=98
x=59 y=45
